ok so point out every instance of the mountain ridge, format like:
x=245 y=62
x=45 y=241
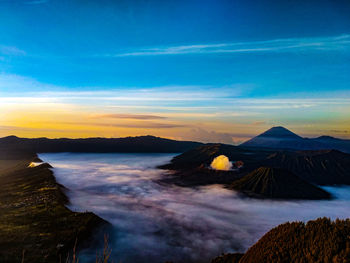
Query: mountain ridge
x=279 y=131
x=281 y=138
x=142 y=144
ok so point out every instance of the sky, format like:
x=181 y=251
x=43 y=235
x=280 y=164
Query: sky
x=211 y=71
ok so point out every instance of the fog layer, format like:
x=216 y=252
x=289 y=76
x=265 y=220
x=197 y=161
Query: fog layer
x=155 y=223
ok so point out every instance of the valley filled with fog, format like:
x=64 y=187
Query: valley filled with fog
x=154 y=222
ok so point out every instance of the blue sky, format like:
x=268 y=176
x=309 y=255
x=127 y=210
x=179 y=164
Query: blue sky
x=247 y=64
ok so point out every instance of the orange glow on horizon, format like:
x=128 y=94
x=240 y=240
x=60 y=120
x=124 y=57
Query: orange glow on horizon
x=55 y=120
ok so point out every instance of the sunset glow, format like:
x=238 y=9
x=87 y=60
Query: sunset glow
x=174 y=131
x=226 y=86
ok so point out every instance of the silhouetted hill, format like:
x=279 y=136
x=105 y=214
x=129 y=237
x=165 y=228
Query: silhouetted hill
x=204 y=155
x=266 y=182
x=129 y=144
x=279 y=132
x=282 y=138
x=334 y=143
x=228 y=258
x=325 y=167
x=320 y=240
x=192 y=168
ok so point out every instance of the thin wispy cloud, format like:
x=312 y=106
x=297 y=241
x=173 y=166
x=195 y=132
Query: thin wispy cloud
x=127 y=116
x=10 y=129
x=18 y=89
x=276 y=45
x=37 y=2
x=12 y=85
x=162 y=110
x=11 y=51
x=136 y=125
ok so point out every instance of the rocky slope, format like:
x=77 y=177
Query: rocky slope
x=326 y=167
x=266 y=182
x=35 y=224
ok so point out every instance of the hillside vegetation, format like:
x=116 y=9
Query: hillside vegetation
x=317 y=241
x=34 y=223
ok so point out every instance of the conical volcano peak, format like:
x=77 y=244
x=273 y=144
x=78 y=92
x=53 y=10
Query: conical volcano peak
x=279 y=132
x=281 y=138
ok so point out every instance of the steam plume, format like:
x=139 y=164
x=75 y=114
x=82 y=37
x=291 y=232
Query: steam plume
x=221 y=163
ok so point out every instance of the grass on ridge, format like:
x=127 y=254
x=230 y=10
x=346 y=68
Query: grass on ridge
x=33 y=217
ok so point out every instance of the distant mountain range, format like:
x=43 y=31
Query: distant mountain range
x=274 y=138
x=140 y=144
x=282 y=138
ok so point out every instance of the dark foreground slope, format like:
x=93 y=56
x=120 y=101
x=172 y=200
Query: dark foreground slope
x=320 y=240
x=266 y=182
x=228 y=258
x=141 y=144
x=33 y=216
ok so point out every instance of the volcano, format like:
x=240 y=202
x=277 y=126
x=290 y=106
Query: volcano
x=267 y=182
x=282 y=138
x=323 y=167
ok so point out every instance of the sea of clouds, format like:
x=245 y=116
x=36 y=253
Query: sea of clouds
x=155 y=222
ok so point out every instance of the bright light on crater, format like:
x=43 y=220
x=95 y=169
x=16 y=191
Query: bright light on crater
x=221 y=163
